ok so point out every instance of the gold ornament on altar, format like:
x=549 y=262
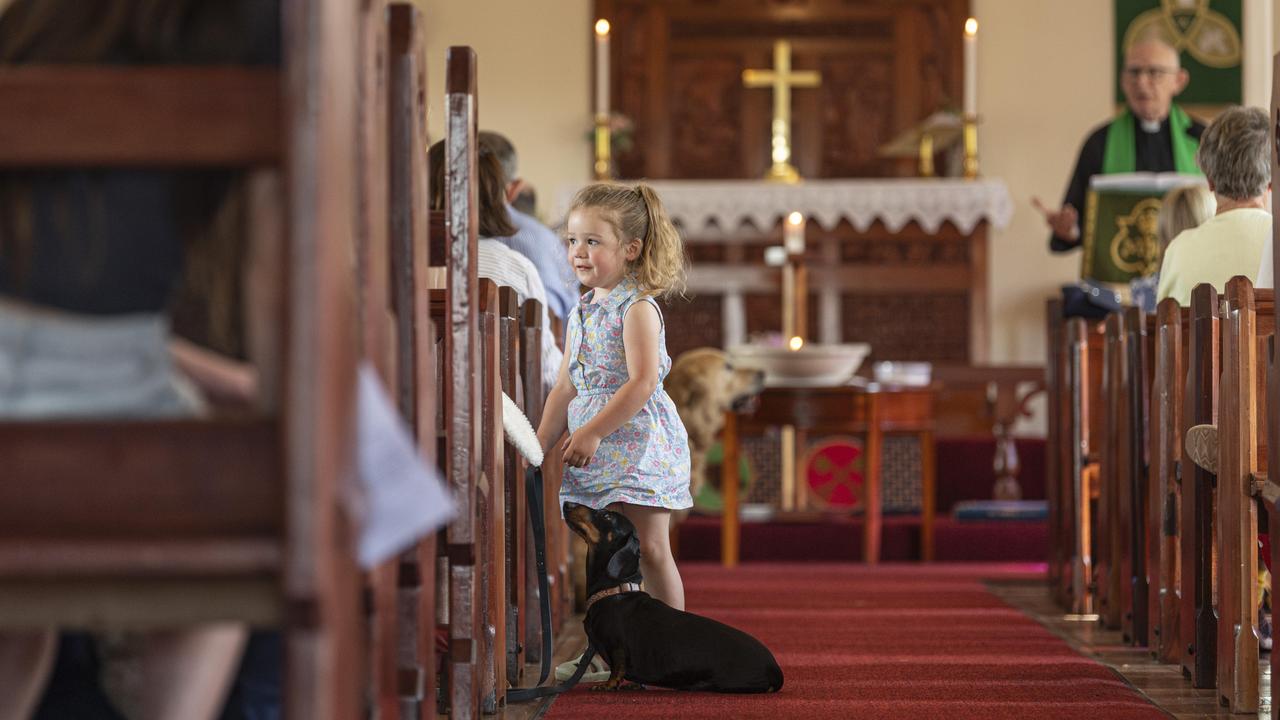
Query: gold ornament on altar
x=781 y=79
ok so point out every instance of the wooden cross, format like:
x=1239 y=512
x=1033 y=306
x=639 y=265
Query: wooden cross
x=781 y=79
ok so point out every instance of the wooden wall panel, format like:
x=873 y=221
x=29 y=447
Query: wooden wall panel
x=676 y=69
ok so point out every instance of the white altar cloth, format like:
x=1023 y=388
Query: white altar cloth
x=716 y=206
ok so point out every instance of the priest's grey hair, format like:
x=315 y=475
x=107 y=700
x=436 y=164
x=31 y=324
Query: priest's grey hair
x=1233 y=154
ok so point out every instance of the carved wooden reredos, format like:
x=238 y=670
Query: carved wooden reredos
x=676 y=72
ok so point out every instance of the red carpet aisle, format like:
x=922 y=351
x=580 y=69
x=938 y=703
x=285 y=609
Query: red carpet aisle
x=897 y=641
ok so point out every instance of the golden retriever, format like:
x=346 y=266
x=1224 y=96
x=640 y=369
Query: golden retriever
x=704 y=385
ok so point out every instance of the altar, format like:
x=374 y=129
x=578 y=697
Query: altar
x=900 y=264
x=773 y=137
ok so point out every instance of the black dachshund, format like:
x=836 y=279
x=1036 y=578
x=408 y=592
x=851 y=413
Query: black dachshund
x=646 y=641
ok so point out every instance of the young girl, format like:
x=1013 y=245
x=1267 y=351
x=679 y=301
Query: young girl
x=627 y=449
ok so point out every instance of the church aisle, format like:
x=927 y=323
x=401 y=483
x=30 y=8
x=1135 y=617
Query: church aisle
x=891 y=641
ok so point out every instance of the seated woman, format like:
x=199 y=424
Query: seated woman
x=1233 y=155
x=1181 y=209
x=90 y=260
x=496 y=261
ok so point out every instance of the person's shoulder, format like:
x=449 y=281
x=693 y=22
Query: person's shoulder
x=526 y=222
x=642 y=308
x=1098 y=135
x=1196 y=128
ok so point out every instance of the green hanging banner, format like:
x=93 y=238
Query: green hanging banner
x=1206 y=34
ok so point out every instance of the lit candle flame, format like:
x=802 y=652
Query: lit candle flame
x=795 y=218
x=971 y=27
x=602 y=27
x=796 y=343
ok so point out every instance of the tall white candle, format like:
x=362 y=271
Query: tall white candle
x=602 y=67
x=1255 y=70
x=971 y=67
x=793 y=234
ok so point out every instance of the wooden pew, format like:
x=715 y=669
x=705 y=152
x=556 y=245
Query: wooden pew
x=462 y=390
x=415 y=336
x=491 y=514
x=532 y=398
x=1059 y=557
x=1200 y=401
x=1165 y=486
x=1121 y=548
x=1079 y=431
x=1140 y=337
x=1113 y=459
x=375 y=319
x=514 y=542
x=1248 y=323
x=271 y=547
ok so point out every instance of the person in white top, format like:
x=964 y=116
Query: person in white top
x=1233 y=155
x=495 y=260
x=1266 y=269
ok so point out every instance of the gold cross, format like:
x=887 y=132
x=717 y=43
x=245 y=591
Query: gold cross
x=781 y=79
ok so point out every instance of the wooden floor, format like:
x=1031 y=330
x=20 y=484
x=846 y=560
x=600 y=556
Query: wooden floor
x=1163 y=684
x=570 y=642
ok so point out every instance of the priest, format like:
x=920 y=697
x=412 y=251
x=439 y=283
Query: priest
x=1151 y=134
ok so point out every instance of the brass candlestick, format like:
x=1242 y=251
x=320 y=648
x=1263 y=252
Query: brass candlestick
x=602 y=147
x=970 y=147
x=926 y=154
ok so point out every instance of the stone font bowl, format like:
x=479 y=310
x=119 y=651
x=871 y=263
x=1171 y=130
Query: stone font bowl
x=813 y=364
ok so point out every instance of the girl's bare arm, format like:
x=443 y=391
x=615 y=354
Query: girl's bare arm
x=555 y=414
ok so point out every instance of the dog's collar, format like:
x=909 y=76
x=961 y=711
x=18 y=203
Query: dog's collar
x=616 y=590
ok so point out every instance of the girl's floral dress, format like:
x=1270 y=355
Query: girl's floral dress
x=646 y=461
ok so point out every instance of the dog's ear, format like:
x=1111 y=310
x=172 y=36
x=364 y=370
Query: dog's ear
x=626 y=561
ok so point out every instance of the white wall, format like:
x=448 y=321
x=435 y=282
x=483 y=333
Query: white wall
x=534 y=67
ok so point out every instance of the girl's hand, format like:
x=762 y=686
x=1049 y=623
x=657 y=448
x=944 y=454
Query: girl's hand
x=579 y=448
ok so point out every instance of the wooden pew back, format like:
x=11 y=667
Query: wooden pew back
x=1164 y=482
x=1247 y=321
x=1200 y=403
x=272 y=545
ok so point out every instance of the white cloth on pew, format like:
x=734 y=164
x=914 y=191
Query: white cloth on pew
x=507 y=267
x=398 y=498
x=60 y=365
x=520 y=432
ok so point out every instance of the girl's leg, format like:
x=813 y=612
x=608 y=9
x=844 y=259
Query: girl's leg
x=25 y=659
x=661 y=578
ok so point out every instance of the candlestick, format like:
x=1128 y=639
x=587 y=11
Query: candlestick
x=602 y=67
x=602 y=148
x=926 y=154
x=970 y=147
x=1255 y=70
x=971 y=67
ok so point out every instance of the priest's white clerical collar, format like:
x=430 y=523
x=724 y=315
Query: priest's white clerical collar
x=1149 y=126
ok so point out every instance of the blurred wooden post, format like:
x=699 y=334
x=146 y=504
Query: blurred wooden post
x=729 y=530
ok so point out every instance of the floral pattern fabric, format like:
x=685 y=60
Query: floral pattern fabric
x=646 y=461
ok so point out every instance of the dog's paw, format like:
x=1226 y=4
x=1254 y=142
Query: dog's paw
x=608 y=686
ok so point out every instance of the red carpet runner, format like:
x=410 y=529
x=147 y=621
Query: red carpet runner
x=896 y=641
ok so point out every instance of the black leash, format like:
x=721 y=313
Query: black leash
x=533 y=498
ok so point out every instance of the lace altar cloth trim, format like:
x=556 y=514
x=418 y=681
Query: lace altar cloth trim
x=710 y=205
